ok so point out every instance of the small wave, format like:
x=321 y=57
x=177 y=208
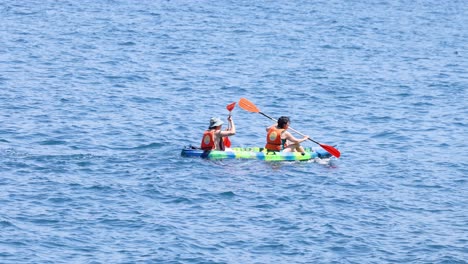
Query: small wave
x=146 y=146
x=181 y=200
x=126 y=78
x=138 y=99
x=6 y=224
x=100 y=188
x=25 y=13
x=264 y=206
x=328 y=47
x=59 y=200
x=338 y=249
x=385 y=134
x=127 y=43
x=269 y=247
x=44 y=221
x=150 y=146
x=52 y=142
x=227 y=194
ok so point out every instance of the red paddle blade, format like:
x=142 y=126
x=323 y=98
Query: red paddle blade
x=230 y=106
x=248 y=106
x=331 y=150
x=227 y=142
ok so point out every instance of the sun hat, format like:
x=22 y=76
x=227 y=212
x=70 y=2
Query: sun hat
x=215 y=121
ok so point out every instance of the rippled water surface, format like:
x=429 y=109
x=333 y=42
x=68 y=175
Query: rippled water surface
x=97 y=98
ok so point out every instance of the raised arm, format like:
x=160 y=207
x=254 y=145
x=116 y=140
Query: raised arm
x=231 y=131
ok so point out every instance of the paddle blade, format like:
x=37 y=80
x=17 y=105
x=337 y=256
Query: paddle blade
x=230 y=106
x=227 y=142
x=248 y=106
x=331 y=150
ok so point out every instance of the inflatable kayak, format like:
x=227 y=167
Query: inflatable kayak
x=255 y=153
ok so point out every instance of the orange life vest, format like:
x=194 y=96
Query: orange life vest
x=208 y=141
x=274 y=141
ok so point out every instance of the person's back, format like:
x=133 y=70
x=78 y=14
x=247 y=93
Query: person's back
x=275 y=142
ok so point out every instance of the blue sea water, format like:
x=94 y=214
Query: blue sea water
x=97 y=98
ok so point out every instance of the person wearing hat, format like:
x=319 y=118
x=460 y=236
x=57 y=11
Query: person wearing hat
x=213 y=137
x=279 y=139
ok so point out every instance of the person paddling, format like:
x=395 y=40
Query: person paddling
x=279 y=139
x=213 y=136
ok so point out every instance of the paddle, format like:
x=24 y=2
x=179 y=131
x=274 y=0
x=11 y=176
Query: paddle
x=249 y=106
x=226 y=141
x=230 y=106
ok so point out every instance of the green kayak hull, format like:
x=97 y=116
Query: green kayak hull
x=255 y=153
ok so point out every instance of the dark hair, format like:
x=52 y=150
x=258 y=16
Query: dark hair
x=282 y=121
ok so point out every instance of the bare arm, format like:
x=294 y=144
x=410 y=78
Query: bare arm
x=231 y=131
x=292 y=139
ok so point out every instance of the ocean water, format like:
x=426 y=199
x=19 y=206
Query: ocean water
x=97 y=98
